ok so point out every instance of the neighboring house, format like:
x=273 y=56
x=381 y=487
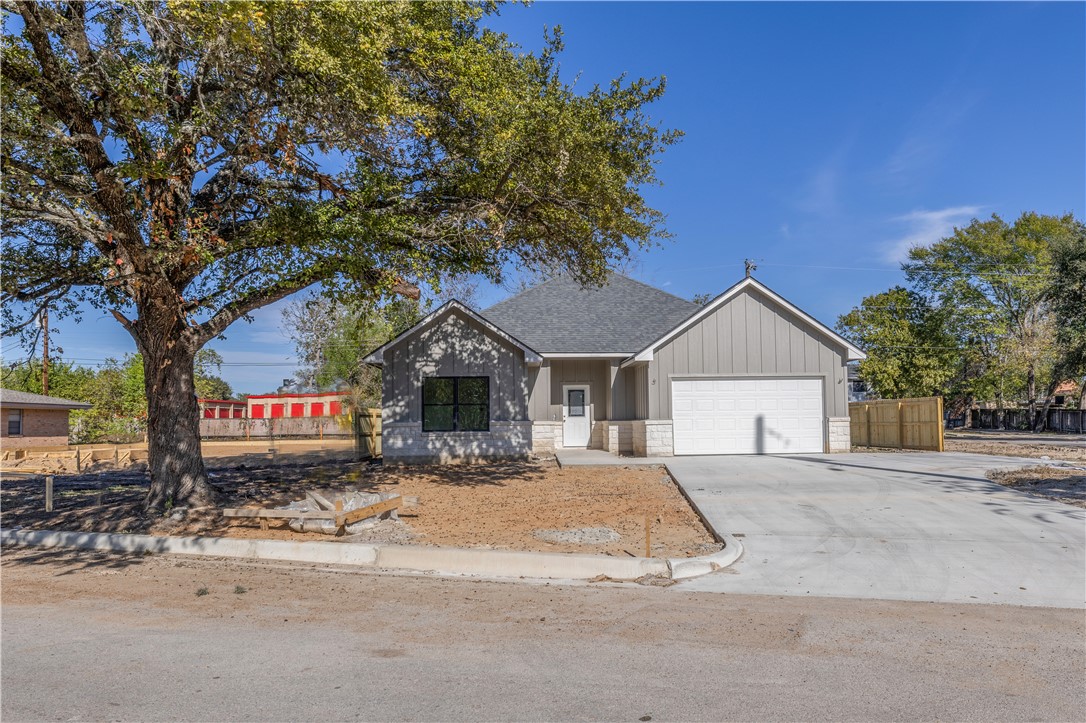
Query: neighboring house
x=315 y=404
x=858 y=389
x=34 y=420
x=626 y=368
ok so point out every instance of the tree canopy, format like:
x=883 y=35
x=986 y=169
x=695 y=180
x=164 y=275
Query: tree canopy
x=183 y=164
x=991 y=313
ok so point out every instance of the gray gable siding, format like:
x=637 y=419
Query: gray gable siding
x=749 y=335
x=454 y=345
x=558 y=316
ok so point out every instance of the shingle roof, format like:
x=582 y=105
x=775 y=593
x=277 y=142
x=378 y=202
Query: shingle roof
x=12 y=398
x=559 y=317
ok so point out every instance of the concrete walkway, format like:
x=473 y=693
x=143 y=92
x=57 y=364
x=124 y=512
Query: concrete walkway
x=922 y=526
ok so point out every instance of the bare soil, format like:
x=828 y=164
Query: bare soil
x=494 y=506
x=1010 y=449
x=1062 y=484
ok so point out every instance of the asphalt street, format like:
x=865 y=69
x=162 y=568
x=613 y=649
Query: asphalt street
x=97 y=637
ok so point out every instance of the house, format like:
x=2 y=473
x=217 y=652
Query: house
x=626 y=368
x=34 y=420
x=315 y=404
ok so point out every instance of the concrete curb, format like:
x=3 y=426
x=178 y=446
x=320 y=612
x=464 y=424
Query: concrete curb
x=683 y=568
x=448 y=560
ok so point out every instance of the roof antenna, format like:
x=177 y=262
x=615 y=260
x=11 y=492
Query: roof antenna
x=750 y=266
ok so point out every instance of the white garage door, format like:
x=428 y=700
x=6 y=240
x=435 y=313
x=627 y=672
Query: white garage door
x=747 y=416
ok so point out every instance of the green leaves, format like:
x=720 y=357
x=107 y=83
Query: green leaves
x=205 y=159
x=993 y=312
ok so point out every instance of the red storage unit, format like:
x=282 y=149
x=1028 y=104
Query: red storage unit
x=277 y=410
x=316 y=409
x=297 y=410
x=209 y=412
x=239 y=413
x=258 y=411
x=334 y=408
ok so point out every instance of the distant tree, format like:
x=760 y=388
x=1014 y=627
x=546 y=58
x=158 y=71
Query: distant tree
x=184 y=163
x=1066 y=295
x=209 y=385
x=992 y=278
x=703 y=299
x=909 y=351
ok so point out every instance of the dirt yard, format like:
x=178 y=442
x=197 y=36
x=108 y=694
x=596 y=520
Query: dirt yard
x=1063 y=484
x=522 y=506
x=1069 y=447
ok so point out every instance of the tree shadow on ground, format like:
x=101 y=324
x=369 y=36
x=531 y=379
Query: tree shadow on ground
x=70 y=562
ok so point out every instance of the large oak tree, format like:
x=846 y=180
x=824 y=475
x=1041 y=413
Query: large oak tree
x=185 y=163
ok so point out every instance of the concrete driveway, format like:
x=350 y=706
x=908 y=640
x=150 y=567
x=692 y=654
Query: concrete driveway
x=920 y=526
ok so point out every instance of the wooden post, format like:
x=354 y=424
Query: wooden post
x=116 y=456
x=939 y=417
x=49 y=493
x=648 y=537
x=78 y=459
x=900 y=425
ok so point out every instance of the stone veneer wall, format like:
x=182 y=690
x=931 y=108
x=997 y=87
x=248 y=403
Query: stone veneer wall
x=840 y=434
x=653 y=438
x=546 y=437
x=405 y=443
x=619 y=437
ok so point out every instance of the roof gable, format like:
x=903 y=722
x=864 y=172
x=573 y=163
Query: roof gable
x=560 y=317
x=377 y=355
x=748 y=284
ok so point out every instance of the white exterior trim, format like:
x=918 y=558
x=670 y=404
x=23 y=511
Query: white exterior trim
x=571 y=355
x=376 y=357
x=646 y=354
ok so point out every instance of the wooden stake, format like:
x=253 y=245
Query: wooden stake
x=49 y=493
x=648 y=537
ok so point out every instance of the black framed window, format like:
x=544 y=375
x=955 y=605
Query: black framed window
x=456 y=404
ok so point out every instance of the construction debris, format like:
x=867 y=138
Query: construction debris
x=348 y=514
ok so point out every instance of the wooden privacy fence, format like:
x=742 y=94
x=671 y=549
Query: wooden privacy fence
x=367 y=433
x=901 y=423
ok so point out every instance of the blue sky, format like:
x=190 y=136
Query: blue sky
x=821 y=140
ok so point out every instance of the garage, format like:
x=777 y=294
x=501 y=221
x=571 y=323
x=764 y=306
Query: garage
x=734 y=415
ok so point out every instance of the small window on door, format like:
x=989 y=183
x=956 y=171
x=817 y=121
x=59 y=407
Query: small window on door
x=576 y=402
x=15 y=422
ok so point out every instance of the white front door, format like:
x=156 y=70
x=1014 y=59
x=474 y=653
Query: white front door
x=747 y=416
x=577 y=415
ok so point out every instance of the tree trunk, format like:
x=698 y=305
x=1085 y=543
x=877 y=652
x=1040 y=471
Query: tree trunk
x=1040 y=421
x=175 y=462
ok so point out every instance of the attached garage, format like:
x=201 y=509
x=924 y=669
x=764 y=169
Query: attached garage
x=736 y=415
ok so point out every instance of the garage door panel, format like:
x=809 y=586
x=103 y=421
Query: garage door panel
x=748 y=416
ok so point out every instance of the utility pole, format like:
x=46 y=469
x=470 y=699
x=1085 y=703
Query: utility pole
x=45 y=351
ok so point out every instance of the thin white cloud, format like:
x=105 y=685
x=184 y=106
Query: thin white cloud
x=928 y=137
x=820 y=195
x=926 y=227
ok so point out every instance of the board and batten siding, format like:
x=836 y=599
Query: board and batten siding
x=546 y=386
x=454 y=346
x=749 y=335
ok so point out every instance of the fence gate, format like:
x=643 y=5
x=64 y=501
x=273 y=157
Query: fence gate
x=367 y=433
x=898 y=423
